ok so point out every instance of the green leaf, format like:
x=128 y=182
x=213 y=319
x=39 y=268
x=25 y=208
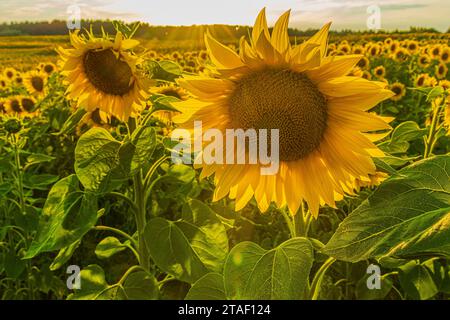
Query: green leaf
x=190 y=247
x=102 y=163
x=64 y=255
x=417 y=282
x=435 y=92
x=208 y=287
x=179 y=173
x=71 y=122
x=171 y=250
x=67 y=215
x=143 y=141
x=401 y=136
x=94 y=286
x=109 y=247
x=39 y=181
x=408 y=215
x=141 y=286
x=97 y=161
x=163 y=103
x=165 y=70
x=5 y=188
x=205 y=233
x=36 y=158
x=13 y=265
x=253 y=273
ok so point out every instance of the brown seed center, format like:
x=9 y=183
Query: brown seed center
x=107 y=72
x=37 y=83
x=284 y=100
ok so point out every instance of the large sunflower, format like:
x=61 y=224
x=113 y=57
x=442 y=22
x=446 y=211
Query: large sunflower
x=103 y=74
x=320 y=112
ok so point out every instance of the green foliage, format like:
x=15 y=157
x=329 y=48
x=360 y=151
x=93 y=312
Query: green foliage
x=67 y=215
x=407 y=215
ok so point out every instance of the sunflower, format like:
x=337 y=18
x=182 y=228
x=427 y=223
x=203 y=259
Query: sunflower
x=399 y=91
x=421 y=80
x=413 y=46
x=320 y=112
x=435 y=51
x=445 y=84
x=203 y=55
x=103 y=74
x=388 y=41
x=424 y=61
x=379 y=72
x=364 y=63
x=2 y=106
x=49 y=68
x=445 y=55
x=18 y=79
x=366 y=75
x=35 y=82
x=3 y=83
x=344 y=48
x=172 y=91
x=176 y=55
x=27 y=104
x=374 y=50
x=12 y=105
x=394 y=46
x=9 y=73
x=441 y=71
x=401 y=55
x=358 y=50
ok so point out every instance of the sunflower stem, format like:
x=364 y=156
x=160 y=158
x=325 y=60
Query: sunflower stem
x=318 y=277
x=434 y=128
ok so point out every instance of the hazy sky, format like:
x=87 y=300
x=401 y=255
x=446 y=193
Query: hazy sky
x=305 y=13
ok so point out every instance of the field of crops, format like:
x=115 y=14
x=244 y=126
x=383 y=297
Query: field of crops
x=94 y=205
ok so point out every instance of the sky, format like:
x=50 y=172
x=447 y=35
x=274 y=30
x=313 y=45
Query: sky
x=345 y=14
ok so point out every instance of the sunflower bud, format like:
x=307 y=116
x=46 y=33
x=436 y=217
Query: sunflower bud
x=12 y=125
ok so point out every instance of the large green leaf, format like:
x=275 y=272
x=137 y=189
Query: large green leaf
x=67 y=215
x=408 y=215
x=253 y=273
x=102 y=163
x=140 y=286
x=97 y=161
x=208 y=287
x=417 y=282
x=190 y=247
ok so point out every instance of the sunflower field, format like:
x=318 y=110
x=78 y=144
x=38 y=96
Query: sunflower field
x=94 y=206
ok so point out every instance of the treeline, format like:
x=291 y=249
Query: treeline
x=146 y=31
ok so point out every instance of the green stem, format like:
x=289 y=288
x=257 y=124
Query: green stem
x=289 y=222
x=120 y=232
x=431 y=138
x=318 y=277
x=139 y=193
x=19 y=174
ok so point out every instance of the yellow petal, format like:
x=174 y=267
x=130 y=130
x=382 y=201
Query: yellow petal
x=222 y=56
x=280 y=37
x=260 y=27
